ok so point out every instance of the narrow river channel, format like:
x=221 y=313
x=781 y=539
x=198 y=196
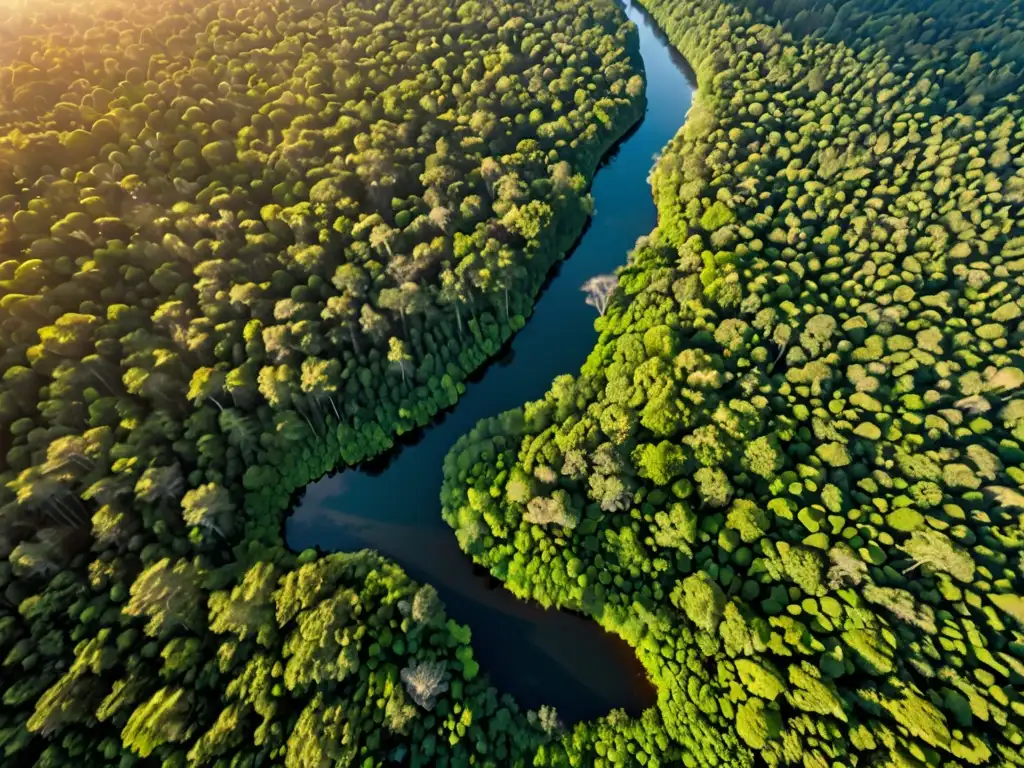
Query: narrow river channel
x=540 y=656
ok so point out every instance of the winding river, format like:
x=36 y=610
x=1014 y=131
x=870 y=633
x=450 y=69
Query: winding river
x=540 y=656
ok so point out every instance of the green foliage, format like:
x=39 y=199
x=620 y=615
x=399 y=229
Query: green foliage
x=812 y=534
x=701 y=599
x=243 y=244
x=757 y=723
x=760 y=681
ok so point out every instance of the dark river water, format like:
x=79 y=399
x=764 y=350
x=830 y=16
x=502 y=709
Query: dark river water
x=540 y=656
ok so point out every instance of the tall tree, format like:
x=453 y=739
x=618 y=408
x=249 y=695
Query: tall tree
x=399 y=357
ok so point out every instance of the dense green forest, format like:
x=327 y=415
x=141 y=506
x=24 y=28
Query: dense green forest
x=791 y=473
x=243 y=243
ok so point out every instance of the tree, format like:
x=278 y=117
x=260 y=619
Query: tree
x=764 y=680
x=713 y=486
x=935 y=549
x=452 y=293
x=427 y=607
x=491 y=173
x=763 y=457
x=520 y=487
x=425 y=681
x=353 y=283
x=817 y=334
x=747 y=519
x=350 y=278
x=70 y=335
x=320 y=380
x=240 y=429
x=382 y=237
x=757 y=723
x=676 y=528
x=803 y=565
x=547 y=718
x=557 y=509
x=406 y=299
x=321 y=648
x=168 y=594
x=847 y=568
x=162 y=719
x=902 y=605
x=701 y=599
x=247 y=610
x=372 y=323
x=612 y=492
x=441 y=218
x=159 y=483
x=398 y=713
x=49 y=494
x=660 y=463
x=39 y=557
x=399 y=356
x=63 y=704
x=919 y=716
x=276 y=384
x=834 y=454
x=206 y=507
x=599 y=290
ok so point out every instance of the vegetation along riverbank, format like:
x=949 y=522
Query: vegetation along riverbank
x=244 y=243
x=790 y=472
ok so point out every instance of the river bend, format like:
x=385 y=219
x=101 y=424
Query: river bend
x=392 y=505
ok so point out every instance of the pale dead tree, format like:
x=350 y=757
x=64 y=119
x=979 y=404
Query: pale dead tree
x=544 y=510
x=1005 y=381
x=440 y=217
x=974 y=404
x=547 y=718
x=599 y=290
x=424 y=681
x=1006 y=497
x=847 y=567
x=545 y=474
x=574 y=464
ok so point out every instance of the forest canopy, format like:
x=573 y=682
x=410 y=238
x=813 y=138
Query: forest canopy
x=242 y=244
x=791 y=472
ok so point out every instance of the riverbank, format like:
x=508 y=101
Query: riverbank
x=392 y=506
